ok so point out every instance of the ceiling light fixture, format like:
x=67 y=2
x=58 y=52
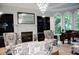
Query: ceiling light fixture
x=43 y=16
x=42 y=7
x=1 y=13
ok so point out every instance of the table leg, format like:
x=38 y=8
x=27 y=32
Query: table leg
x=69 y=41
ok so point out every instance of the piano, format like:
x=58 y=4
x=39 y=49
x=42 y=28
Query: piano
x=68 y=35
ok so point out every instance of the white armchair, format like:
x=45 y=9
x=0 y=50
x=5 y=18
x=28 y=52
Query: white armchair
x=49 y=36
x=10 y=41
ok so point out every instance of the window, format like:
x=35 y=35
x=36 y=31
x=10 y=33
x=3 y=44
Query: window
x=77 y=21
x=57 y=24
x=67 y=21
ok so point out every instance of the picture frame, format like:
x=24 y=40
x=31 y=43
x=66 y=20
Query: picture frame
x=25 y=18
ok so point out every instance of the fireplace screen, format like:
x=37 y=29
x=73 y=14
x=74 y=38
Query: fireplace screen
x=27 y=36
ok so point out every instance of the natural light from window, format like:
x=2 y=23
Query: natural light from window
x=57 y=24
x=67 y=21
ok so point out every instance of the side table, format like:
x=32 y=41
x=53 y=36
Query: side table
x=2 y=51
x=55 y=51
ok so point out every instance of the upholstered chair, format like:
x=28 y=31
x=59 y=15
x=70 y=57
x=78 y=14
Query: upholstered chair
x=49 y=36
x=10 y=41
x=9 y=38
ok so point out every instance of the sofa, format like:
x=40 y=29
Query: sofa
x=33 y=48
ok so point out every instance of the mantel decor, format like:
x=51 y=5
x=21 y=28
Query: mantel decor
x=26 y=18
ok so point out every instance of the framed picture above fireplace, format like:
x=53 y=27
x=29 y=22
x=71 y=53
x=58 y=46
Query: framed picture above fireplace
x=26 y=18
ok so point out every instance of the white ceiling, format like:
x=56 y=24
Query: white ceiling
x=52 y=7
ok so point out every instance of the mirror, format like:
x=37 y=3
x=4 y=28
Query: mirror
x=26 y=18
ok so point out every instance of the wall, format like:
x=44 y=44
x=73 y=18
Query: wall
x=31 y=27
x=18 y=28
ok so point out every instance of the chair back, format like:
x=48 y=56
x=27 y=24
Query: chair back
x=48 y=34
x=9 y=39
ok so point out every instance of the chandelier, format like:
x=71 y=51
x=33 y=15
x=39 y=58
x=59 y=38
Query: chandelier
x=42 y=7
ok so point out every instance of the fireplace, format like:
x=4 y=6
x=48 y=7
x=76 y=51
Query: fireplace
x=26 y=36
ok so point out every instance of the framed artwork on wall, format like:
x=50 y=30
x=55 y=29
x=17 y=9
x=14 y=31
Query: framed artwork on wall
x=26 y=18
